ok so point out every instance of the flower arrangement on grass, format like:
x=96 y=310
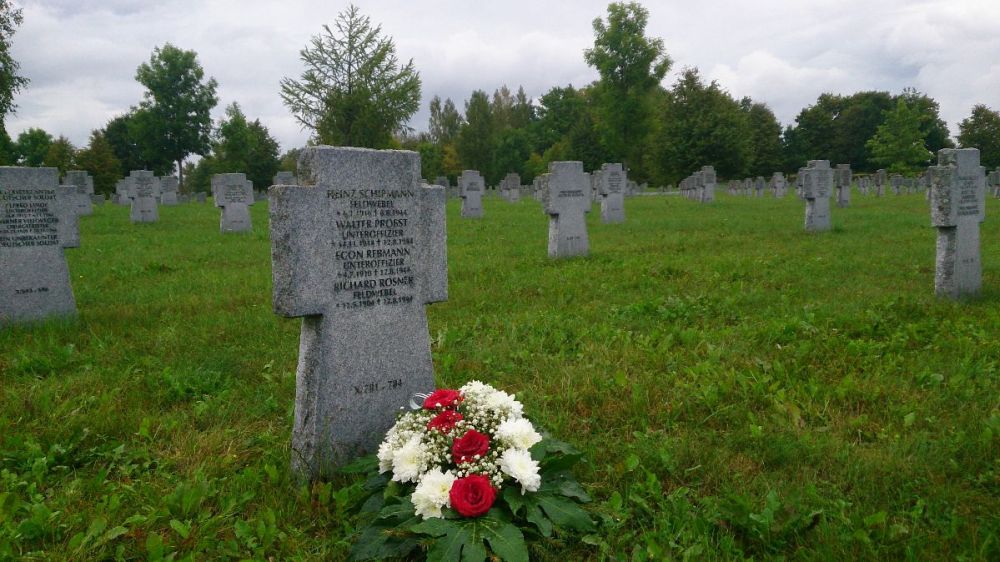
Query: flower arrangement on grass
x=467 y=475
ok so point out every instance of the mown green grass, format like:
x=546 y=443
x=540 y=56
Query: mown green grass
x=741 y=388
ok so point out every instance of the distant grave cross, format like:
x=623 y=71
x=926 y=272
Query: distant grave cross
x=817 y=187
x=358 y=250
x=143 y=189
x=234 y=195
x=567 y=204
x=471 y=188
x=611 y=184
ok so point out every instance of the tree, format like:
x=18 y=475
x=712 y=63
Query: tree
x=354 y=92
x=476 y=138
x=10 y=81
x=445 y=121
x=765 y=151
x=701 y=125
x=561 y=109
x=98 y=159
x=898 y=143
x=241 y=146
x=32 y=147
x=175 y=115
x=631 y=66
x=934 y=129
x=61 y=154
x=431 y=158
x=513 y=148
x=522 y=114
x=289 y=161
x=8 y=156
x=981 y=130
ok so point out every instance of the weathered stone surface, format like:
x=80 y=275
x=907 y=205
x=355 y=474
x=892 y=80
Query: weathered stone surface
x=611 y=185
x=83 y=184
x=37 y=220
x=471 y=188
x=143 y=190
x=97 y=200
x=357 y=251
x=817 y=186
x=233 y=194
x=958 y=206
x=567 y=203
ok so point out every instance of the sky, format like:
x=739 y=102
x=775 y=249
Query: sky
x=81 y=55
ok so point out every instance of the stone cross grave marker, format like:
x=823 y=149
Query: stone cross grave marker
x=707 y=187
x=567 y=203
x=234 y=195
x=284 y=178
x=143 y=189
x=37 y=221
x=896 y=181
x=611 y=184
x=842 y=181
x=169 y=186
x=958 y=206
x=471 y=187
x=881 y=179
x=83 y=184
x=817 y=186
x=358 y=250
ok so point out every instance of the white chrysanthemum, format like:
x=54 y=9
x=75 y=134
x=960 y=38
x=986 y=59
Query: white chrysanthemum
x=518 y=464
x=408 y=462
x=518 y=433
x=476 y=390
x=432 y=493
x=500 y=401
x=385 y=452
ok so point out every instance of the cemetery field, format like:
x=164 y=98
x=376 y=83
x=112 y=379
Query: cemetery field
x=741 y=389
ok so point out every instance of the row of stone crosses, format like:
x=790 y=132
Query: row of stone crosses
x=359 y=247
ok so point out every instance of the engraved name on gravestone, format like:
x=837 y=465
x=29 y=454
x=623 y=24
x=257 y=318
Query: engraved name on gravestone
x=234 y=195
x=958 y=206
x=143 y=189
x=83 y=184
x=36 y=219
x=357 y=251
x=567 y=203
x=471 y=187
x=842 y=180
x=611 y=183
x=817 y=187
x=169 y=186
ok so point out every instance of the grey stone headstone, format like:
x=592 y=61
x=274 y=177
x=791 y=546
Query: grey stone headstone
x=357 y=251
x=958 y=206
x=97 y=200
x=611 y=185
x=708 y=181
x=234 y=195
x=510 y=188
x=842 y=181
x=37 y=220
x=169 y=187
x=200 y=197
x=471 y=187
x=567 y=203
x=817 y=187
x=442 y=181
x=285 y=178
x=83 y=184
x=144 y=189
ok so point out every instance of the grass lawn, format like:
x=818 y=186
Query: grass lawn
x=741 y=388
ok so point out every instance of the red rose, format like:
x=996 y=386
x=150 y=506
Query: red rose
x=466 y=447
x=442 y=398
x=444 y=421
x=472 y=496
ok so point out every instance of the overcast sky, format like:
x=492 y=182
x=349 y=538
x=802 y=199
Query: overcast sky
x=81 y=55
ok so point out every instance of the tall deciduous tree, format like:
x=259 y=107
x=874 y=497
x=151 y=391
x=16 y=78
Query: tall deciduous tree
x=8 y=156
x=245 y=146
x=631 y=66
x=701 y=125
x=981 y=130
x=445 y=121
x=61 y=154
x=99 y=160
x=765 y=151
x=476 y=139
x=898 y=144
x=134 y=151
x=354 y=91
x=32 y=146
x=175 y=114
x=10 y=81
